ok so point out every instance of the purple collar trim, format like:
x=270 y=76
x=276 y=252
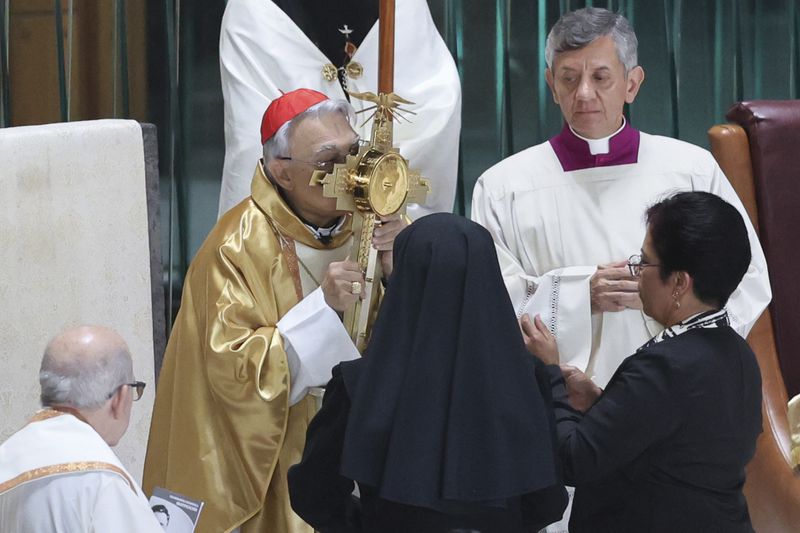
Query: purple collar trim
x=573 y=152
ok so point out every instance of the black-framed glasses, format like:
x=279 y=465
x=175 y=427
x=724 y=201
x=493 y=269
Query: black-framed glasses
x=327 y=166
x=636 y=264
x=137 y=386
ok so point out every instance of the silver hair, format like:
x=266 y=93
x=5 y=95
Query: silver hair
x=277 y=146
x=83 y=383
x=576 y=29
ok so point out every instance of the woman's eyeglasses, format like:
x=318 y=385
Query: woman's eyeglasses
x=636 y=264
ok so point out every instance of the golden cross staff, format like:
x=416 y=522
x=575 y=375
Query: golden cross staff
x=375 y=182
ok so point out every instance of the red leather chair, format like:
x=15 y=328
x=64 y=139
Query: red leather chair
x=760 y=155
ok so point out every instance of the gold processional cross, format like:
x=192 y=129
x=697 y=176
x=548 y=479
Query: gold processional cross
x=375 y=182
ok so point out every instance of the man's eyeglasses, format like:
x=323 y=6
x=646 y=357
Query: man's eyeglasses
x=327 y=166
x=137 y=386
x=636 y=264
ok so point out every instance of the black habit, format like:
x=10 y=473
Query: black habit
x=446 y=423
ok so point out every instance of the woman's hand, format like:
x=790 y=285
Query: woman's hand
x=538 y=340
x=581 y=390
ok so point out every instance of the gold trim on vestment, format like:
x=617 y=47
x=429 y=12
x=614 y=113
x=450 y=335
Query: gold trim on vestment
x=44 y=414
x=292 y=261
x=64 y=468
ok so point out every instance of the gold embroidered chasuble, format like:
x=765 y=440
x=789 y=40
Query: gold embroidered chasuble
x=222 y=428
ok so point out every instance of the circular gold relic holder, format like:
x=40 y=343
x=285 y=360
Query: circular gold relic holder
x=380 y=184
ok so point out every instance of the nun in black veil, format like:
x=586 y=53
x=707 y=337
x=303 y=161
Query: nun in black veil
x=446 y=423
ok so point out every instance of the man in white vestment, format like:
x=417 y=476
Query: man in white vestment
x=566 y=214
x=58 y=473
x=272 y=46
x=258 y=327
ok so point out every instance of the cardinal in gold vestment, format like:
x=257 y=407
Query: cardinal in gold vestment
x=228 y=420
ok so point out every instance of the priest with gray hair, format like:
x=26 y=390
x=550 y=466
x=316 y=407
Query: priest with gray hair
x=259 y=326
x=567 y=214
x=58 y=473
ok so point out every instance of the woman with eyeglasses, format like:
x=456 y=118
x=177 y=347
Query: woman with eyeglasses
x=664 y=447
x=446 y=423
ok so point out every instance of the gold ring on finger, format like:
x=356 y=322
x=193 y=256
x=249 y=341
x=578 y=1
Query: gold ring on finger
x=356 y=287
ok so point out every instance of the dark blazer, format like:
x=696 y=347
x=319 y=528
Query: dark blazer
x=665 y=446
x=322 y=496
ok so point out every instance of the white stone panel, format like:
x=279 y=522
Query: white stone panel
x=73 y=250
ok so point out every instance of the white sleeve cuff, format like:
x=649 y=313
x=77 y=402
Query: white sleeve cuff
x=563 y=300
x=315 y=341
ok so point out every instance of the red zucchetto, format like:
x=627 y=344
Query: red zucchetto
x=285 y=108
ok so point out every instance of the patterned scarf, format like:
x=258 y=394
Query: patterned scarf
x=708 y=319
